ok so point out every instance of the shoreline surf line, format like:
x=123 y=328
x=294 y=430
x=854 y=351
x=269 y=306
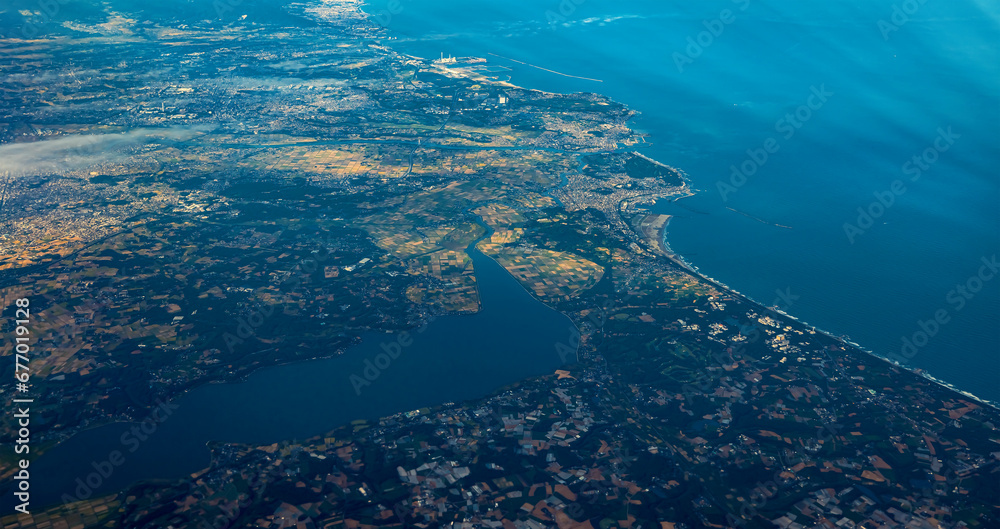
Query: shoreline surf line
x=683 y=264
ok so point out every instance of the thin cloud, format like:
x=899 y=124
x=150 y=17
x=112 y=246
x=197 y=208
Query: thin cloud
x=82 y=151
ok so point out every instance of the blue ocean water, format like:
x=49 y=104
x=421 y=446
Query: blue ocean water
x=718 y=78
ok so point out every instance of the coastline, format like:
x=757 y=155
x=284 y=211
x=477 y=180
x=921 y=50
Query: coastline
x=674 y=258
x=689 y=267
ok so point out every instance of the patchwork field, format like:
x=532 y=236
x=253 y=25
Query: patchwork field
x=549 y=274
x=455 y=290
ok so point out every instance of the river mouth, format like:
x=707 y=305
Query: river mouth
x=453 y=358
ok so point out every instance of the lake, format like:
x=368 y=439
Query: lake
x=452 y=359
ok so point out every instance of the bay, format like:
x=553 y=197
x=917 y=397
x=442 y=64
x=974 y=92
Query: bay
x=715 y=80
x=453 y=358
